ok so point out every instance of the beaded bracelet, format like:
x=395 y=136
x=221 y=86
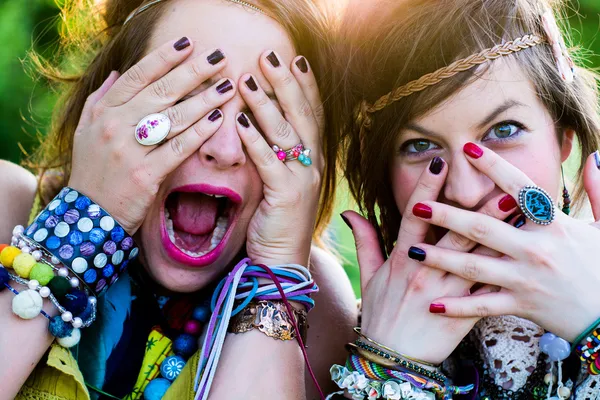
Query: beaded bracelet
x=588 y=352
x=82 y=235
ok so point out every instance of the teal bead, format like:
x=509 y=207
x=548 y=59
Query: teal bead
x=301 y=158
x=156 y=389
x=306 y=161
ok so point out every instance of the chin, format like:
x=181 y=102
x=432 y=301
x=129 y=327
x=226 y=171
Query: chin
x=193 y=236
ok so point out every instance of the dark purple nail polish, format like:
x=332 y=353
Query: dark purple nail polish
x=273 y=60
x=243 y=120
x=215 y=57
x=436 y=165
x=215 y=115
x=346 y=221
x=302 y=64
x=597 y=158
x=224 y=87
x=520 y=221
x=182 y=44
x=251 y=83
x=415 y=253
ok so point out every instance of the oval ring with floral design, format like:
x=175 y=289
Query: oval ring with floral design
x=537 y=205
x=152 y=129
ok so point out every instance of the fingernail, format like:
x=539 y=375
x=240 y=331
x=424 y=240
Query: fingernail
x=436 y=165
x=215 y=57
x=215 y=115
x=507 y=203
x=416 y=253
x=473 y=150
x=422 y=211
x=273 y=59
x=251 y=83
x=597 y=158
x=243 y=120
x=302 y=64
x=520 y=221
x=346 y=221
x=182 y=44
x=224 y=87
x=435 y=308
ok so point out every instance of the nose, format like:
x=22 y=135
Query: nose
x=465 y=185
x=224 y=149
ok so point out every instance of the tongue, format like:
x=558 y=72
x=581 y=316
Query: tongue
x=195 y=213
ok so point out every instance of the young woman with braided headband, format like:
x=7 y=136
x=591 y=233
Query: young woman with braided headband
x=165 y=139
x=457 y=117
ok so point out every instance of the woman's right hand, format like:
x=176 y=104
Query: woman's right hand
x=397 y=292
x=109 y=165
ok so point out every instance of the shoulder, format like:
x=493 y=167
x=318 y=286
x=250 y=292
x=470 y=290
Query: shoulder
x=17 y=193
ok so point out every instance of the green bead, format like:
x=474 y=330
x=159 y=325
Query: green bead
x=42 y=273
x=301 y=158
x=59 y=287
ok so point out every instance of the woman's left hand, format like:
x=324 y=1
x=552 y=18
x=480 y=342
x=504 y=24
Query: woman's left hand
x=548 y=274
x=282 y=227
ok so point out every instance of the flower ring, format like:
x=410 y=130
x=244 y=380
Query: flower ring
x=152 y=129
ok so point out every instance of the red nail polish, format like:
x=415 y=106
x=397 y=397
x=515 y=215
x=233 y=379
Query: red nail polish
x=422 y=211
x=507 y=203
x=473 y=150
x=437 y=308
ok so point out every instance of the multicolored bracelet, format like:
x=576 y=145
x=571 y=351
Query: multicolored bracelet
x=84 y=237
x=589 y=350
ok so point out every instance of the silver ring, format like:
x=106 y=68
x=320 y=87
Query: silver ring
x=537 y=205
x=152 y=129
x=298 y=152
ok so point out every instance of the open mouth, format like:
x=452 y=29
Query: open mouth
x=197 y=222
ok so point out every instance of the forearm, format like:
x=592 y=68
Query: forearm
x=22 y=345
x=255 y=366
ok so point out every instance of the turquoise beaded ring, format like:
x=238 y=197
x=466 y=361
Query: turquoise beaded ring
x=297 y=152
x=537 y=205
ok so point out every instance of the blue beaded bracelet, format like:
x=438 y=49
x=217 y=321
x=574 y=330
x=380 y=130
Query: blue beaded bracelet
x=85 y=238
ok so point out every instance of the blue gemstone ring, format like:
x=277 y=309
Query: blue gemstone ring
x=537 y=205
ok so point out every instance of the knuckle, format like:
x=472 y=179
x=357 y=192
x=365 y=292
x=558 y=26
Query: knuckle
x=200 y=130
x=196 y=71
x=319 y=112
x=479 y=231
x=471 y=271
x=263 y=101
x=140 y=175
x=427 y=186
x=177 y=145
x=492 y=162
x=283 y=130
x=268 y=158
x=417 y=281
x=135 y=77
x=175 y=115
x=109 y=129
x=288 y=79
x=514 y=188
x=305 y=109
x=98 y=110
x=162 y=89
x=163 y=57
x=482 y=311
x=539 y=255
x=459 y=242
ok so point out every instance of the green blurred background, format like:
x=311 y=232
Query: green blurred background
x=26 y=103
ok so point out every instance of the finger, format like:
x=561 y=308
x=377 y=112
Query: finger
x=591 y=182
x=508 y=177
x=413 y=229
x=169 y=155
x=295 y=105
x=272 y=171
x=186 y=113
x=499 y=207
x=93 y=99
x=175 y=85
x=149 y=69
x=472 y=267
x=479 y=228
x=308 y=83
x=481 y=306
x=370 y=256
x=276 y=128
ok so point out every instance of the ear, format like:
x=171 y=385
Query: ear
x=567 y=144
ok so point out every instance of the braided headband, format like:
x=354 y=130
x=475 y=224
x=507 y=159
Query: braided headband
x=431 y=79
x=146 y=6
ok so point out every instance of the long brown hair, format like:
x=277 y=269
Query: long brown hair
x=386 y=44
x=95 y=42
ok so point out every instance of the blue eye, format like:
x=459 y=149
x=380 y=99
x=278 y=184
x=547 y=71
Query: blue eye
x=504 y=130
x=418 y=146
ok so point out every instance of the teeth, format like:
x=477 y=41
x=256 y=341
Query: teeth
x=218 y=196
x=216 y=238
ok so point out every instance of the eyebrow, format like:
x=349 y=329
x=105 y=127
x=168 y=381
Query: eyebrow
x=507 y=105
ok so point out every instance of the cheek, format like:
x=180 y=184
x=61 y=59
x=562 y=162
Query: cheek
x=404 y=181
